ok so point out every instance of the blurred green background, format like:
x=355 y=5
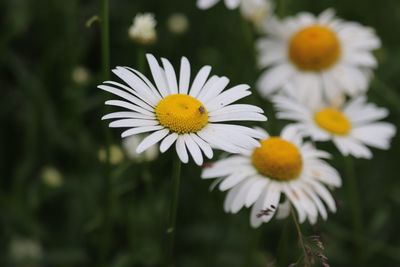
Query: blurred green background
x=51 y=119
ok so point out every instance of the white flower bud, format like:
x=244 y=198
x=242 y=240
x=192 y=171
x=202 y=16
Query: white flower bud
x=130 y=143
x=178 y=23
x=143 y=29
x=51 y=177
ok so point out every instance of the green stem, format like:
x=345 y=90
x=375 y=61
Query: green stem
x=301 y=240
x=282 y=246
x=281 y=8
x=141 y=59
x=107 y=186
x=170 y=232
x=356 y=215
x=105 y=40
x=253 y=241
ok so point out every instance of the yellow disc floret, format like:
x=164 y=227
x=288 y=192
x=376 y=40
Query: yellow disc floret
x=314 y=48
x=181 y=114
x=277 y=159
x=333 y=121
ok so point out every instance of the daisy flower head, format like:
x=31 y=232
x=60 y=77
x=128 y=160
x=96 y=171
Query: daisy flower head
x=205 y=4
x=256 y=11
x=321 y=56
x=189 y=114
x=280 y=173
x=352 y=126
x=143 y=29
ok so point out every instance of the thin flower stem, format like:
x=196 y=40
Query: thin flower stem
x=141 y=59
x=301 y=240
x=170 y=231
x=282 y=246
x=281 y=8
x=356 y=215
x=105 y=39
x=107 y=190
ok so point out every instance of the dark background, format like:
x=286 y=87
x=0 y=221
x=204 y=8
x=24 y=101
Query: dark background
x=47 y=119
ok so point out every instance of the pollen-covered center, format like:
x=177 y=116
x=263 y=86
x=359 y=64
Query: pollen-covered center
x=314 y=48
x=181 y=114
x=333 y=121
x=277 y=159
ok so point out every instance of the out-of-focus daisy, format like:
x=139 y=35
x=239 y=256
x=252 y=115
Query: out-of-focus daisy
x=80 y=75
x=313 y=53
x=176 y=112
x=131 y=142
x=283 y=165
x=116 y=154
x=25 y=251
x=143 y=29
x=178 y=23
x=51 y=177
x=205 y=4
x=351 y=127
x=256 y=11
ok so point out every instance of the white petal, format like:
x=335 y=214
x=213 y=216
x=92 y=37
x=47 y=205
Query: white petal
x=127 y=115
x=171 y=76
x=234 y=179
x=376 y=134
x=141 y=89
x=132 y=123
x=158 y=76
x=239 y=200
x=213 y=88
x=184 y=76
x=238 y=116
x=151 y=140
x=167 y=142
x=317 y=201
x=208 y=134
x=148 y=83
x=199 y=80
x=255 y=191
x=232 y=4
x=324 y=194
x=204 y=4
x=126 y=96
x=230 y=197
x=350 y=146
x=181 y=150
x=294 y=200
x=193 y=149
x=271 y=201
x=283 y=210
x=255 y=220
x=204 y=146
x=272 y=79
x=228 y=97
x=127 y=105
x=138 y=130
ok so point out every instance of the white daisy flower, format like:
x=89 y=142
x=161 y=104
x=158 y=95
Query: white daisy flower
x=313 y=53
x=351 y=127
x=205 y=4
x=143 y=29
x=256 y=11
x=283 y=165
x=130 y=144
x=178 y=23
x=174 y=111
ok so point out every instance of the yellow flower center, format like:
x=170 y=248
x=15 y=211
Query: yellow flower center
x=181 y=114
x=277 y=159
x=314 y=48
x=333 y=121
